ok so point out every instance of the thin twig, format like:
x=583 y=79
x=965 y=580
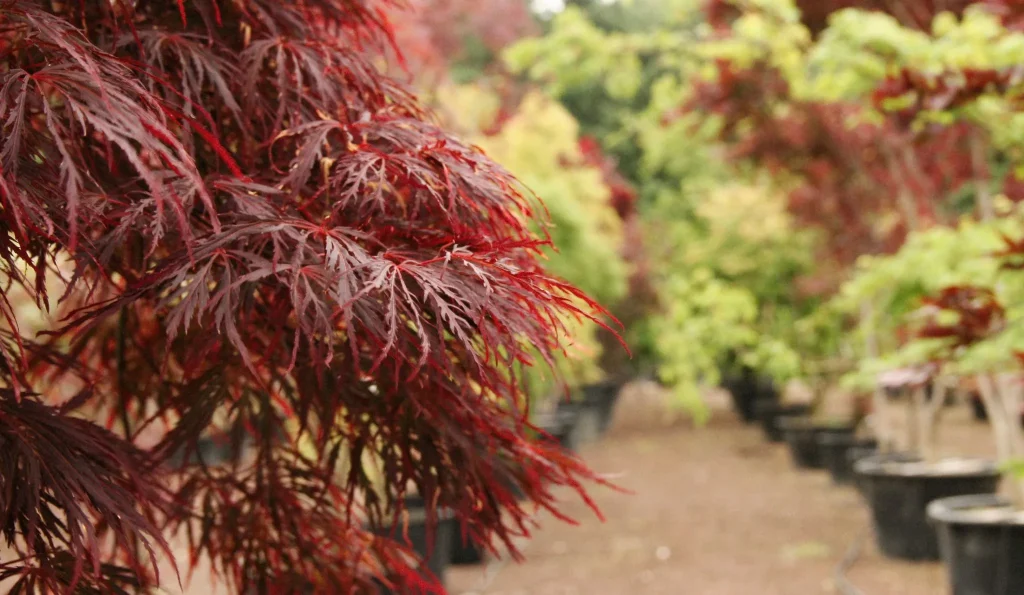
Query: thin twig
x=852 y=555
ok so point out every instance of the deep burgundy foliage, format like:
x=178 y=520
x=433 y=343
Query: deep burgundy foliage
x=433 y=34
x=911 y=13
x=947 y=91
x=849 y=174
x=623 y=195
x=1012 y=255
x=269 y=241
x=864 y=186
x=978 y=315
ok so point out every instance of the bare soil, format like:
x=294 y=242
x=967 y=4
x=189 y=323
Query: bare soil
x=712 y=511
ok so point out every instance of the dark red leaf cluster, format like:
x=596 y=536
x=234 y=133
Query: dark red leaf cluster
x=978 y=315
x=918 y=14
x=60 y=475
x=623 y=195
x=1013 y=187
x=941 y=92
x=255 y=234
x=432 y=34
x=1010 y=11
x=1012 y=255
x=850 y=174
x=814 y=14
x=721 y=13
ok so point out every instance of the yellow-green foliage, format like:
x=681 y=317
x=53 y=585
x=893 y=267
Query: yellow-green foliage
x=861 y=48
x=749 y=236
x=768 y=31
x=539 y=145
x=705 y=318
x=587 y=232
x=576 y=52
x=723 y=285
x=894 y=285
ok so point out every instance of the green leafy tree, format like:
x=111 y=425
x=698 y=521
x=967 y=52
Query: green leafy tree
x=722 y=290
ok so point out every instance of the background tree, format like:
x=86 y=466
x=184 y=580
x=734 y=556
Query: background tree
x=458 y=39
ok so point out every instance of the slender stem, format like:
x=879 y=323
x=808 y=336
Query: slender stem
x=1010 y=389
x=995 y=406
x=983 y=196
x=915 y=409
x=122 y=332
x=879 y=406
x=122 y=390
x=930 y=413
x=904 y=197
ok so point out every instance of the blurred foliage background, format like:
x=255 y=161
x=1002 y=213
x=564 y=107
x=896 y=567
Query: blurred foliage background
x=759 y=185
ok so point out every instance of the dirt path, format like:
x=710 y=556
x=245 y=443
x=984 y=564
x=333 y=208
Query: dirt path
x=714 y=511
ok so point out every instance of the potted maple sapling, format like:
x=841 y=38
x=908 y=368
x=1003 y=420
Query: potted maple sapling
x=269 y=237
x=819 y=432
x=825 y=431
x=900 y=483
x=896 y=320
x=815 y=339
x=981 y=535
x=831 y=432
x=722 y=283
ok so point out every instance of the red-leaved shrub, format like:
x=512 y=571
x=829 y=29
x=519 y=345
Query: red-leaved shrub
x=268 y=240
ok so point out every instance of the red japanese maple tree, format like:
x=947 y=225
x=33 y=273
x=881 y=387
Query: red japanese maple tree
x=435 y=33
x=255 y=234
x=864 y=186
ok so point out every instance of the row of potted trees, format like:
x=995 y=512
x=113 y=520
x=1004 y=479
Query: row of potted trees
x=939 y=317
x=948 y=333
x=922 y=508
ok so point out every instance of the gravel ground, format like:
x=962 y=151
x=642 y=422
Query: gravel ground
x=712 y=511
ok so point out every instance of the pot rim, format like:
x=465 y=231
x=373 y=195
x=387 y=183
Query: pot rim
x=416 y=508
x=841 y=439
x=957 y=510
x=882 y=465
x=782 y=408
x=555 y=419
x=809 y=423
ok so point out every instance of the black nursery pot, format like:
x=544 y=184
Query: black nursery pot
x=981 y=539
x=466 y=552
x=978 y=408
x=582 y=421
x=836 y=450
x=559 y=426
x=857 y=453
x=747 y=390
x=602 y=397
x=898 y=493
x=437 y=553
x=771 y=414
x=802 y=434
